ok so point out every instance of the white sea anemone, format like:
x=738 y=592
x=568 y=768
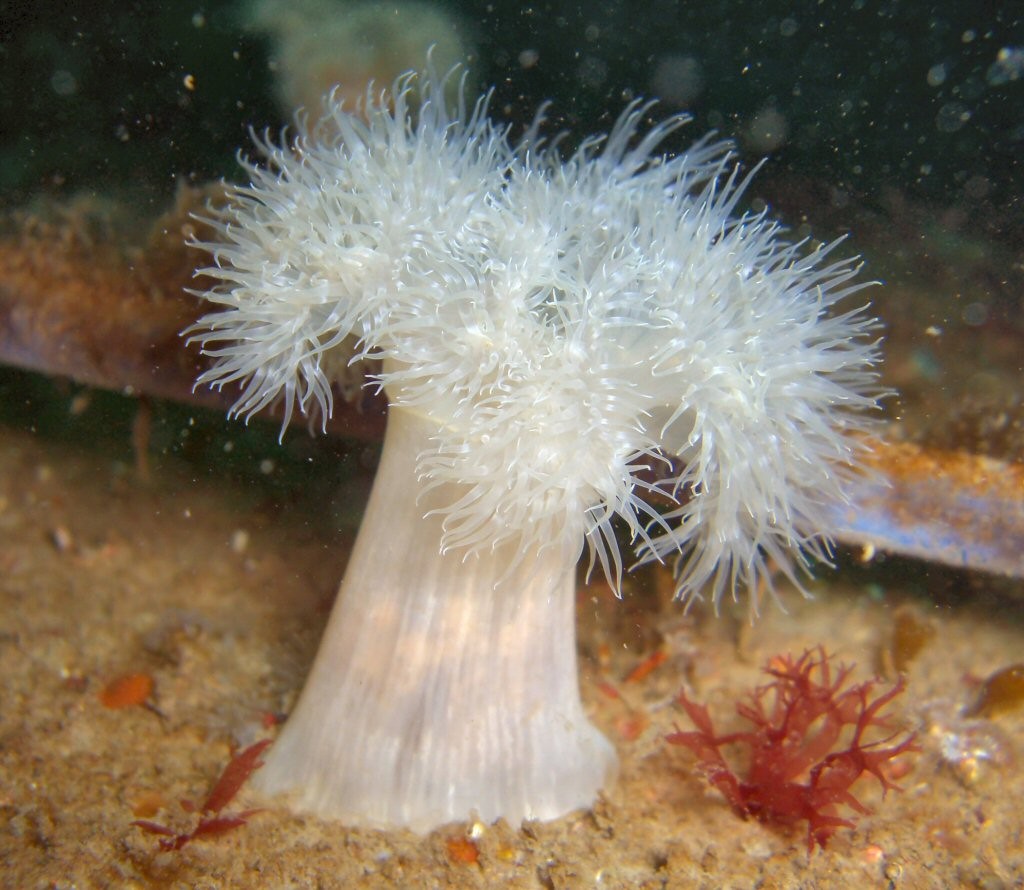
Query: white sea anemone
x=559 y=340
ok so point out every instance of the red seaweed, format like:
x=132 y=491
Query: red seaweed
x=242 y=766
x=800 y=767
x=211 y=823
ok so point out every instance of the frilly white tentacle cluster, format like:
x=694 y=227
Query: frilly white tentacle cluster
x=595 y=336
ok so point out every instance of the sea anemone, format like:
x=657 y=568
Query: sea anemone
x=318 y=45
x=573 y=349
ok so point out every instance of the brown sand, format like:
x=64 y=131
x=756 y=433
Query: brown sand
x=219 y=596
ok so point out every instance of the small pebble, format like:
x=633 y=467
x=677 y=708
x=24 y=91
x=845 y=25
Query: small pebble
x=62 y=539
x=239 y=540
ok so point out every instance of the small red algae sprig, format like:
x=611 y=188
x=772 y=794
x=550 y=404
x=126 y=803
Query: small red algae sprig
x=211 y=822
x=807 y=746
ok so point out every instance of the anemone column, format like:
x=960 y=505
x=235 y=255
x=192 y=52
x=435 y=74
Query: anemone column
x=445 y=684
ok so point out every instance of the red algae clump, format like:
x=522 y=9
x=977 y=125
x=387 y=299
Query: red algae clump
x=212 y=822
x=807 y=746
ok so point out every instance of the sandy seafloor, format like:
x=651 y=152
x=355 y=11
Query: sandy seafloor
x=219 y=589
